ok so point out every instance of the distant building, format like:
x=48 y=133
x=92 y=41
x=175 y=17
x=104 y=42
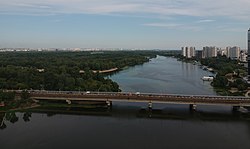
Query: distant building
x=233 y=52
x=209 y=52
x=183 y=51
x=248 y=59
x=40 y=70
x=192 y=51
x=199 y=54
x=2 y=104
x=81 y=71
x=243 y=56
x=188 y=52
x=221 y=52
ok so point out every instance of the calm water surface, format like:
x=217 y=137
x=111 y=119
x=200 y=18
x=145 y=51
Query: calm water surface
x=165 y=75
x=132 y=126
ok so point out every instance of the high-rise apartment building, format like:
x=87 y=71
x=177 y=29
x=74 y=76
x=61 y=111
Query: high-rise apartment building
x=183 y=51
x=188 y=52
x=192 y=51
x=209 y=52
x=243 y=56
x=248 y=52
x=233 y=52
x=199 y=54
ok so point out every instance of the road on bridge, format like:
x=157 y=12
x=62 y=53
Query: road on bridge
x=139 y=97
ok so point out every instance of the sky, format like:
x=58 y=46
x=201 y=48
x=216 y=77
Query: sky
x=149 y=24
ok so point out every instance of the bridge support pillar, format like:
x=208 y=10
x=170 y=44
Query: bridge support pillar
x=68 y=101
x=109 y=104
x=192 y=107
x=240 y=109
x=150 y=105
x=235 y=108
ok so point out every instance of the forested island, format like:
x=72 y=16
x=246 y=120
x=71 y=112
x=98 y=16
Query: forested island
x=65 y=70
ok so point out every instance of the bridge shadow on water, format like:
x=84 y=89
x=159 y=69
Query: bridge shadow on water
x=168 y=112
x=130 y=112
x=166 y=123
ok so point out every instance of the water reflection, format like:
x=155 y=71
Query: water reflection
x=126 y=112
x=13 y=118
x=123 y=127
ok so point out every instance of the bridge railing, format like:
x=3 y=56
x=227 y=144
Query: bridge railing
x=157 y=95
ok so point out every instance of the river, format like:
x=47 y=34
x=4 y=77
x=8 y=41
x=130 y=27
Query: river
x=133 y=126
x=165 y=75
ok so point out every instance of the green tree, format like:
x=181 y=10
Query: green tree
x=220 y=81
x=25 y=96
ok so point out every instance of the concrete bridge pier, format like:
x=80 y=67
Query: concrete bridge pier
x=150 y=105
x=235 y=108
x=109 y=104
x=68 y=101
x=192 y=107
x=242 y=109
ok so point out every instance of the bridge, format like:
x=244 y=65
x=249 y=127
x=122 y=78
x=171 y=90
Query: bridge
x=108 y=97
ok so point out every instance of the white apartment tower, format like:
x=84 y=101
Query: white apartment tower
x=248 y=52
x=188 y=52
x=233 y=53
x=209 y=52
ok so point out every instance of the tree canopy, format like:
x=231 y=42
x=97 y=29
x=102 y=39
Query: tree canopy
x=61 y=70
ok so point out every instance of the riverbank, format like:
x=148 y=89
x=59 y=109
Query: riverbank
x=22 y=108
x=229 y=74
x=106 y=71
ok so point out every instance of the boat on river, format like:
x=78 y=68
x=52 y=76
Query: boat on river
x=206 y=78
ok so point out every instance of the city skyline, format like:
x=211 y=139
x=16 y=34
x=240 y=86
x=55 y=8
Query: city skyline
x=163 y=24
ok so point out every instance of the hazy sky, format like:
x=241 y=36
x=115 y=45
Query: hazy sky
x=164 y=24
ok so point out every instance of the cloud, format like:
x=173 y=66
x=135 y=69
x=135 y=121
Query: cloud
x=204 y=21
x=167 y=25
x=175 y=26
x=197 y=8
x=24 y=5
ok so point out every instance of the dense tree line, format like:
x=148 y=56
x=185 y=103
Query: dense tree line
x=10 y=102
x=6 y=96
x=224 y=66
x=19 y=70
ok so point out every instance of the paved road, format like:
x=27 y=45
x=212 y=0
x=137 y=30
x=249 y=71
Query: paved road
x=139 y=97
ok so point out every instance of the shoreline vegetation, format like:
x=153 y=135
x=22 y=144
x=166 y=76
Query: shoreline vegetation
x=229 y=74
x=10 y=102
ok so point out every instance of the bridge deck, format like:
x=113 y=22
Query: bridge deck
x=139 y=97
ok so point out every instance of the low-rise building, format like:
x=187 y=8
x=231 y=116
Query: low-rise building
x=2 y=104
x=81 y=71
x=40 y=70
